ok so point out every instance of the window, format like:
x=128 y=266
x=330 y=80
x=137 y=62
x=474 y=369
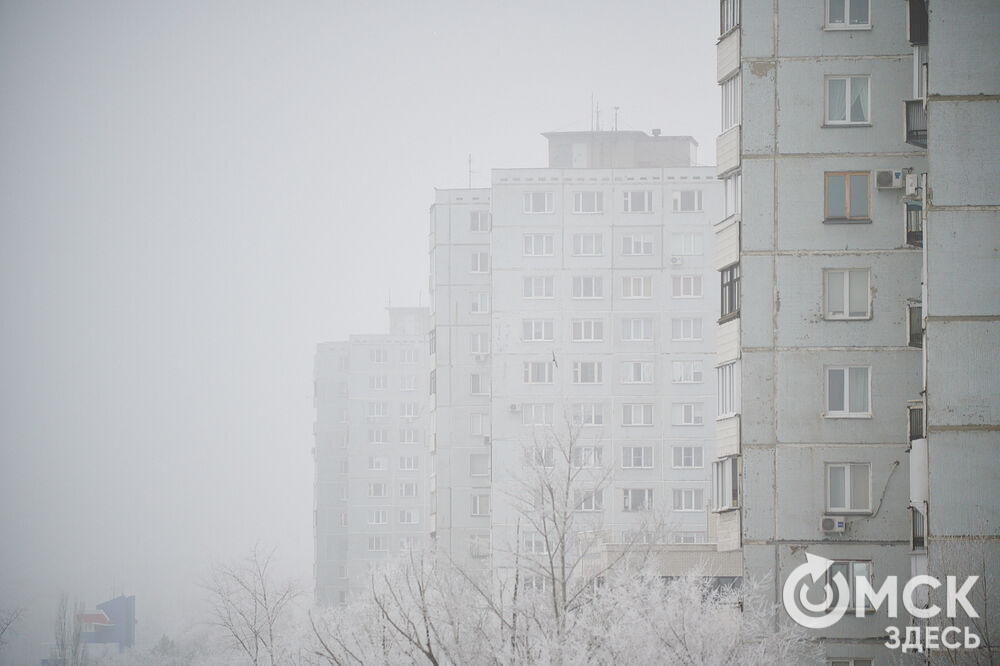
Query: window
x=730 y=290
x=915 y=325
x=480 y=505
x=726 y=483
x=637 y=372
x=847 y=195
x=637 y=286
x=914 y=224
x=848 y=293
x=378 y=463
x=538 y=245
x=408 y=489
x=378 y=356
x=849 y=662
x=731 y=89
x=847 y=14
x=589 y=500
x=479 y=424
x=537 y=287
x=588 y=245
x=687 y=286
x=637 y=414
x=480 y=302
x=588 y=372
x=409 y=436
x=378 y=544
x=588 y=286
x=378 y=436
x=688 y=457
x=409 y=410
x=687 y=201
x=536 y=414
x=848 y=487
x=688 y=413
x=689 y=537
x=479 y=546
x=686 y=244
x=729 y=15
x=733 y=189
x=479 y=464
x=918 y=529
x=479 y=343
x=637 y=244
x=479 y=221
x=588 y=414
x=637 y=457
x=588 y=202
x=851 y=570
x=537 y=372
x=537 y=202
x=588 y=330
x=637 y=329
x=638 y=202
x=377 y=490
x=687 y=372
x=588 y=456
x=847 y=100
x=686 y=329
x=637 y=499
x=378 y=382
x=536 y=330
x=480 y=262
x=543 y=456
x=688 y=499
x=408 y=383
x=378 y=517
x=479 y=384
x=728 y=404
x=409 y=517
x=848 y=392
x=409 y=463
x=535 y=544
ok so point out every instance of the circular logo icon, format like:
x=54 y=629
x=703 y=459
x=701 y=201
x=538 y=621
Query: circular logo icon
x=806 y=613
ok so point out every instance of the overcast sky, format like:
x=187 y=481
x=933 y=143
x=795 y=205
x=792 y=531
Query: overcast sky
x=193 y=194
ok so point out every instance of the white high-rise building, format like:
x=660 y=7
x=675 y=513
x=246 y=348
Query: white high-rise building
x=578 y=300
x=372 y=455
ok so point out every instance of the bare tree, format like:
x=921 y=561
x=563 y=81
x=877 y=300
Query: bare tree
x=8 y=619
x=70 y=648
x=249 y=606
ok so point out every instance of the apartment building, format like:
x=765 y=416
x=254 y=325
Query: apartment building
x=372 y=456
x=582 y=309
x=838 y=208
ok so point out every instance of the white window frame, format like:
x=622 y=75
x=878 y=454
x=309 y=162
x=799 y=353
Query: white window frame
x=643 y=370
x=479 y=423
x=733 y=189
x=688 y=499
x=479 y=383
x=537 y=330
x=726 y=483
x=409 y=410
x=637 y=245
x=538 y=245
x=479 y=342
x=588 y=414
x=845 y=22
x=695 y=205
x=731 y=92
x=409 y=463
x=643 y=410
x=588 y=372
x=848 y=217
x=378 y=355
x=849 y=82
x=537 y=203
x=479 y=221
x=588 y=245
x=480 y=505
x=378 y=435
x=480 y=303
x=637 y=457
x=409 y=517
x=727 y=385
x=408 y=489
x=688 y=457
x=637 y=329
x=480 y=263
x=845 y=277
x=846 y=397
x=378 y=382
x=534 y=544
x=687 y=244
x=589 y=500
x=537 y=413
x=378 y=517
x=638 y=201
x=588 y=457
x=408 y=383
x=537 y=287
x=409 y=436
x=588 y=287
x=637 y=499
x=538 y=372
x=684 y=323
x=851 y=576
x=686 y=286
x=408 y=355
x=688 y=372
x=588 y=202
x=637 y=286
x=689 y=414
x=479 y=465
x=588 y=330
x=850 y=469
x=378 y=543
x=378 y=489
x=378 y=463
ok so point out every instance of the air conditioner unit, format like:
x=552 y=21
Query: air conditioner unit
x=889 y=179
x=912 y=185
x=676 y=261
x=514 y=407
x=833 y=524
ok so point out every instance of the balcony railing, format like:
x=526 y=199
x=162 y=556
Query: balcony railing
x=916 y=123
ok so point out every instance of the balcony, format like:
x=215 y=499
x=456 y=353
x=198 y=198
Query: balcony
x=916 y=123
x=914 y=224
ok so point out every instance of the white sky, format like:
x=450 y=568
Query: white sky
x=193 y=194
